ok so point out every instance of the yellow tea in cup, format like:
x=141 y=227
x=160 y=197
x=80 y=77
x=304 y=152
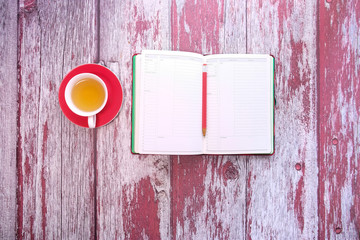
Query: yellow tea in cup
x=88 y=95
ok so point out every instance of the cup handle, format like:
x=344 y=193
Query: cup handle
x=92 y=121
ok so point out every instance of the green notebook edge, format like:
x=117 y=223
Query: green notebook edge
x=133 y=109
x=273 y=113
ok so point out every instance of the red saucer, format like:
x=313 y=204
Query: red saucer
x=115 y=95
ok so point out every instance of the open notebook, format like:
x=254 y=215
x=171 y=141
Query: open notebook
x=168 y=102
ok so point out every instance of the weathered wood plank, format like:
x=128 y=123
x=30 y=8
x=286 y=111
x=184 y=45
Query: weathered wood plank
x=55 y=157
x=282 y=189
x=30 y=210
x=197 y=26
x=133 y=192
x=339 y=116
x=208 y=197
x=8 y=119
x=78 y=144
x=47 y=170
x=56 y=193
x=208 y=192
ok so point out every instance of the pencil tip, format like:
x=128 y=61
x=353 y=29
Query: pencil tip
x=204 y=131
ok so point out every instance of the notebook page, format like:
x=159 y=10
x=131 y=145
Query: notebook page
x=240 y=105
x=171 y=103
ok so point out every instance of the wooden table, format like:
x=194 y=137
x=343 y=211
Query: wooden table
x=61 y=181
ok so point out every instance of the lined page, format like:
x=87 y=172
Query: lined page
x=171 y=103
x=239 y=115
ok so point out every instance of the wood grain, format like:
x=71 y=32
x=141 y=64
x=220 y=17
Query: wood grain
x=61 y=181
x=78 y=144
x=208 y=192
x=55 y=157
x=339 y=118
x=133 y=191
x=8 y=118
x=282 y=189
x=30 y=210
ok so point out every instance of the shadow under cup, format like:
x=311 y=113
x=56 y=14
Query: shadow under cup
x=86 y=95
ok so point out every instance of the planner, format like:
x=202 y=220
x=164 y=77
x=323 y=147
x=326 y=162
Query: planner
x=186 y=103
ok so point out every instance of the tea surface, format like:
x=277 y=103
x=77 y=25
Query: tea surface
x=88 y=95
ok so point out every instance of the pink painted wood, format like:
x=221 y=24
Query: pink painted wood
x=8 y=118
x=339 y=118
x=62 y=181
x=78 y=213
x=55 y=157
x=282 y=189
x=132 y=190
x=29 y=217
x=208 y=193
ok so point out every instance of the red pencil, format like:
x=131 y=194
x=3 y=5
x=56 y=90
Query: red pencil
x=204 y=100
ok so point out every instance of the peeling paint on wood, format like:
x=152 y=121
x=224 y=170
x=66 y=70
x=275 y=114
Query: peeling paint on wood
x=133 y=191
x=8 y=118
x=208 y=192
x=281 y=201
x=29 y=85
x=197 y=26
x=55 y=169
x=78 y=214
x=339 y=116
x=80 y=183
x=207 y=201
